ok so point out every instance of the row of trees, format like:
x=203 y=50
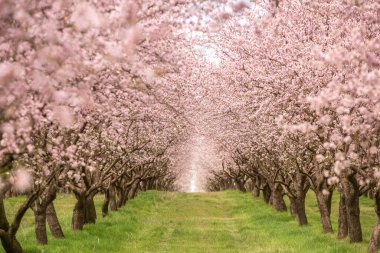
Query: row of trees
x=87 y=164
x=97 y=96
x=302 y=108
x=93 y=97
x=83 y=108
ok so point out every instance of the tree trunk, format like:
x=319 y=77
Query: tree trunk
x=40 y=223
x=10 y=244
x=293 y=208
x=255 y=192
x=8 y=241
x=78 y=213
x=278 y=202
x=89 y=210
x=342 y=220
x=126 y=194
x=301 y=186
x=374 y=243
x=256 y=187
x=150 y=184
x=52 y=219
x=106 y=203
x=113 y=204
x=143 y=186
x=351 y=193
x=8 y=232
x=41 y=209
x=133 y=191
x=375 y=239
x=371 y=194
x=301 y=212
x=324 y=205
x=122 y=196
x=266 y=193
x=239 y=185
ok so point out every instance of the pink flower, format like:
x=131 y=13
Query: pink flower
x=85 y=17
x=64 y=116
x=21 y=180
x=239 y=5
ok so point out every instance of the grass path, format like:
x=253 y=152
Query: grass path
x=193 y=223
x=223 y=222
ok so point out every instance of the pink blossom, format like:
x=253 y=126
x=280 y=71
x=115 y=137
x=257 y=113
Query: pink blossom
x=21 y=180
x=64 y=116
x=85 y=17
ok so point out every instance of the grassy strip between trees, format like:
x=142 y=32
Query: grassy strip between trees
x=227 y=221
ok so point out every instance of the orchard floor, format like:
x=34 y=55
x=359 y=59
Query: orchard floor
x=195 y=222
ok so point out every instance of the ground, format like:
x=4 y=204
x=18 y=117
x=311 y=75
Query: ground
x=227 y=221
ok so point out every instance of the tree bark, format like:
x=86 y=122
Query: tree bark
x=371 y=194
x=293 y=208
x=40 y=213
x=301 y=211
x=266 y=193
x=143 y=185
x=278 y=202
x=89 y=210
x=375 y=239
x=52 y=219
x=351 y=192
x=8 y=232
x=239 y=185
x=374 y=243
x=133 y=191
x=121 y=196
x=40 y=223
x=113 y=203
x=125 y=196
x=255 y=192
x=105 y=203
x=301 y=186
x=78 y=213
x=324 y=205
x=9 y=242
x=256 y=187
x=342 y=220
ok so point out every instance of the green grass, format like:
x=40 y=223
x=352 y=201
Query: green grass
x=195 y=222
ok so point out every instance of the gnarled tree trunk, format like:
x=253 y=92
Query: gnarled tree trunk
x=293 y=207
x=113 y=203
x=277 y=199
x=105 y=203
x=301 y=187
x=39 y=210
x=122 y=195
x=324 y=205
x=8 y=232
x=133 y=191
x=351 y=192
x=301 y=211
x=375 y=239
x=78 y=218
x=89 y=210
x=8 y=240
x=342 y=220
x=52 y=219
x=10 y=243
x=256 y=187
x=266 y=193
